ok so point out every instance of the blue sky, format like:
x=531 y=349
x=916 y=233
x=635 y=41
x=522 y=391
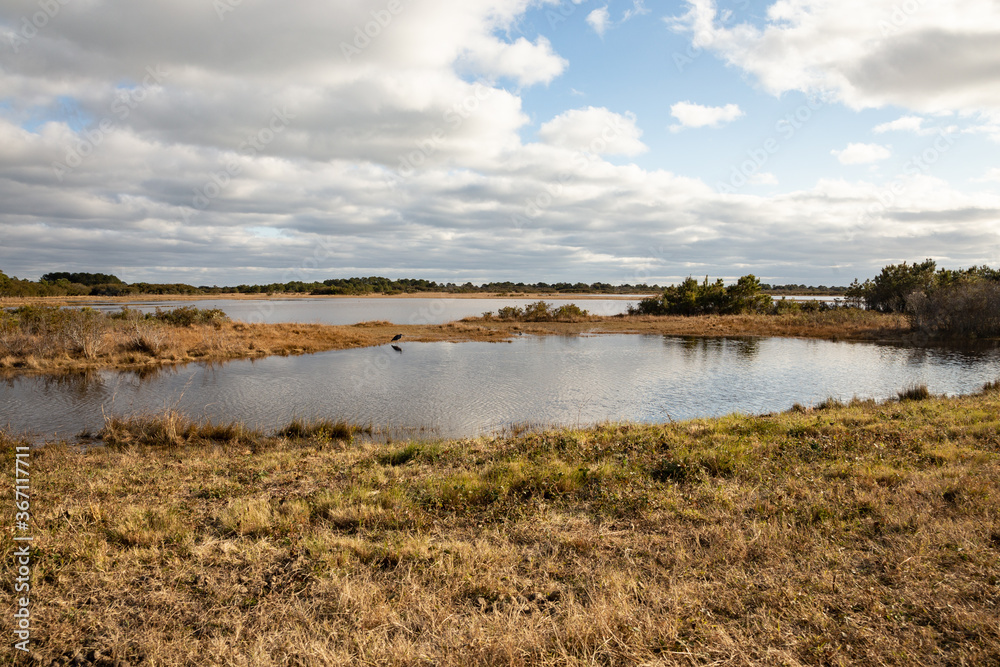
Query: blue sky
x=217 y=143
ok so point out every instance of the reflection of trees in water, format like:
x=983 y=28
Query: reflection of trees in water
x=147 y=373
x=747 y=348
x=80 y=384
x=965 y=354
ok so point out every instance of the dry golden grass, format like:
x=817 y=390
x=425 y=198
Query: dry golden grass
x=862 y=534
x=165 y=344
x=231 y=340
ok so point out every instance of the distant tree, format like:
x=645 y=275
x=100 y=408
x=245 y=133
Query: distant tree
x=88 y=279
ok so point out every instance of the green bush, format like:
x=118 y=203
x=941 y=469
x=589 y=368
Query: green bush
x=540 y=311
x=888 y=291
x=705 y=298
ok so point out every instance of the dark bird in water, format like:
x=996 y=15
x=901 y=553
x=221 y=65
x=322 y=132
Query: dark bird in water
x=396 y=337
x=397 y=348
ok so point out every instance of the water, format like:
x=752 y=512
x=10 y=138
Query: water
x=462 y=389
x=341 y=310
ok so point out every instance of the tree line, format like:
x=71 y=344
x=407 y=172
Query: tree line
x=100 y=284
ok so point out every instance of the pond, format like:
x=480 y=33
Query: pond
x=464 y=389
x=345 y=310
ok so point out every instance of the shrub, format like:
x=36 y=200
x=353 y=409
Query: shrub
x=510 y=313
x=187 y=316
x=84 y=331
x=887 y=293
x=540 y=312
x=963 y=309
x=570 y=312
x=694 y=298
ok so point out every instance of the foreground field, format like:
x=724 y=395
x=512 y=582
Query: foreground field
x=45 y=339
x=866 y=534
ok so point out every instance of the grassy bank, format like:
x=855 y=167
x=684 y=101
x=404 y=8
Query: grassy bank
x=865 y=534
x=46 y=339
x=51 y=340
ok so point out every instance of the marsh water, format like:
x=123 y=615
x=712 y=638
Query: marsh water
x=400 y=310
x=344 y=310
x=464 y=389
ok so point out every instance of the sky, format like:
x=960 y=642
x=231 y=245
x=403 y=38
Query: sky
x=624 y=141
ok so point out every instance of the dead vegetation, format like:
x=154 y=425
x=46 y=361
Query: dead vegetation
x=48 y=339
x=859 y=534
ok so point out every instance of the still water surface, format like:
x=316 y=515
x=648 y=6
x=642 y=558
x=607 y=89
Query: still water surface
x=342 y=310
x=460 y=389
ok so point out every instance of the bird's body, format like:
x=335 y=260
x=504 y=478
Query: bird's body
x=396 y=337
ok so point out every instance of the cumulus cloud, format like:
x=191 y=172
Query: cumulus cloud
x=594 y=130
x=293 y=157
x=927 y=56
x=862 y=153
x=527 y=63
x=696 y=115
x=599 y=19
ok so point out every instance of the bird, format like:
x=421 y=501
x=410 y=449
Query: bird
x=396 y=337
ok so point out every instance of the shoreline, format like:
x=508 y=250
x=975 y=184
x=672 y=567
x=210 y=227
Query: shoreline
x=231 y=340
x=13 y=302
x=844 y=534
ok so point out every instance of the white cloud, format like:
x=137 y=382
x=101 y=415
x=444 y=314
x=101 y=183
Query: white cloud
x=599 y=19
x=991 y=176
x=862 y=153
x=523 y=61
x=638 y=9
x=696 y=115
x=904 y=124
x=393 y=164
x=928 y=56
x=594 y=130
